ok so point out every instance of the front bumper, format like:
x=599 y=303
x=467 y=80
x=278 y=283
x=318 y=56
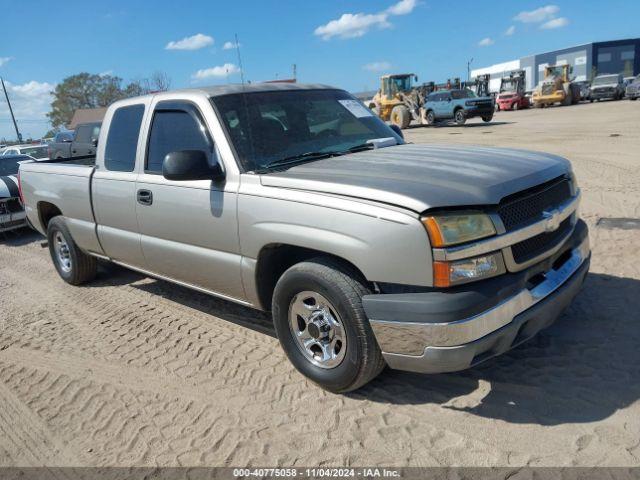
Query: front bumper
x=12 y=221
x=603 y=95
x=555 y=97
x=478 y=111
x=437 y=332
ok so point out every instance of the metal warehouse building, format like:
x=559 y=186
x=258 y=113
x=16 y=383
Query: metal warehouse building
x=588 y=60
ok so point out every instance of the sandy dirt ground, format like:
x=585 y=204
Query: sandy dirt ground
x=133 y=371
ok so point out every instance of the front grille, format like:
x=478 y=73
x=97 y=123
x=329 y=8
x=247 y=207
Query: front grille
x=534 y=246
x=527 y=207
x=548 y=88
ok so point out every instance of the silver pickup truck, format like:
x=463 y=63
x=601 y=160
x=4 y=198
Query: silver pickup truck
x=295 y=199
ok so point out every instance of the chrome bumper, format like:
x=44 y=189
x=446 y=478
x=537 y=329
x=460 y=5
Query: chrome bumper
x=405 y=343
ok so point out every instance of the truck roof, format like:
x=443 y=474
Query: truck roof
x=218 y=90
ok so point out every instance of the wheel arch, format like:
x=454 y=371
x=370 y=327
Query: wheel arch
x=47 y=211
x=276 y=258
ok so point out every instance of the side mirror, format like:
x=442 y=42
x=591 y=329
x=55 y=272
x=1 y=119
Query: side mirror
x=189 y=165
x=398 y=130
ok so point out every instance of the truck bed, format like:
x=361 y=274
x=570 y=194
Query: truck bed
x=65 y=184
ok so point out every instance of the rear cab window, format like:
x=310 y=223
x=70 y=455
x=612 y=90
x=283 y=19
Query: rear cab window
x=122 y=139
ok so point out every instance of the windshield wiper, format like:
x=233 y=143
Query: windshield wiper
x=299 y=158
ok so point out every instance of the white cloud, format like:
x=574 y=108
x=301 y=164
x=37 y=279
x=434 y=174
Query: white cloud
x=231 y=45
x=485 y=42
x=106 y=73
x=353 y=25
x=220 y=71
x=538 y=15
x=555 y=23
x=510 y=31
x=377 y=66
x=4 y=60
x=30 y=101
x=194 y=42
x=403 y=7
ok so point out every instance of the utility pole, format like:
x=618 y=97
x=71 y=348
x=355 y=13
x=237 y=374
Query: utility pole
x=295 y=71
x=15 y=125
x=469 y=69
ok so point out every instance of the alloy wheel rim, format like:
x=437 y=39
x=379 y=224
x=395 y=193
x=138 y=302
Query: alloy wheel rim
x=317 y=329
x=62 y=252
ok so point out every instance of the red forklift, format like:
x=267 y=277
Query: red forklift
x=512 y=92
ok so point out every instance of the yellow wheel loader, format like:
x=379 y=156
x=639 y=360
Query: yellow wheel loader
x=398 y=101
x=557 y=87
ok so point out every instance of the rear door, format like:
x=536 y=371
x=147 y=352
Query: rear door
x=189 y=228
x=114 y=184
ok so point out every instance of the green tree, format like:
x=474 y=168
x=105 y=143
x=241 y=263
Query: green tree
x=87 y=90
x=84 y=90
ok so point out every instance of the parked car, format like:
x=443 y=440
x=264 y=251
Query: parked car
x=512 y=92
x=633 y=89
x=458 y=105
x=367 y=251
x=34 y=151
x=607 y=87
x=12 y=214
x=82 y=142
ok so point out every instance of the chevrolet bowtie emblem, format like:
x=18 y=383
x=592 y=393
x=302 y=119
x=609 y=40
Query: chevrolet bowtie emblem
x=552 y=220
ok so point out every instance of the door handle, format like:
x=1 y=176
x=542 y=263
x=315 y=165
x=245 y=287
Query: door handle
x=145 y=197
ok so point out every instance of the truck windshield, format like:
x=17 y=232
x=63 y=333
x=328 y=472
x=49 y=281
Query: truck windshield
x=605 y=80
x=269 y=127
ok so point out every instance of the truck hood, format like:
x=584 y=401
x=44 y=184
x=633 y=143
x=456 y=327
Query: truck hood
x=420 y=177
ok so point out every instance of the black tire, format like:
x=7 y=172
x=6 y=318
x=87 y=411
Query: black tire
x=362 y=360
x=82 y=267
x=633 y=98
x=459 y=117
x=431 y=118
x=487 y=118
x=401 y=116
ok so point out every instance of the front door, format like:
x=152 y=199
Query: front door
x=188 y=229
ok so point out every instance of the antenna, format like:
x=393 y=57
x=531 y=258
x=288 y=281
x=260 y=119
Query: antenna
x=239 y=59
x=15 y=125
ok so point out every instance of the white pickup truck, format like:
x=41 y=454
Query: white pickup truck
x=296 y=199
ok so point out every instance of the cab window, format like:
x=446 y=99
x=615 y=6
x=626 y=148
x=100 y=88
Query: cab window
x=172 y=131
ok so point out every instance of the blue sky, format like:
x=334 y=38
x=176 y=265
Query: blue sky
x=345 y=43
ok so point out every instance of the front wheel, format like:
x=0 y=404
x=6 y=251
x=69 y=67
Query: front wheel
x=459 y=117
x=322 y=327
x=431 y=118
x=73 y=265
x=487 y=118
x=516 y=105
x=401 y=116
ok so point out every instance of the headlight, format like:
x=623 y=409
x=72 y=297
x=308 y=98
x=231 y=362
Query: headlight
x=451 y=229
x=447 y=274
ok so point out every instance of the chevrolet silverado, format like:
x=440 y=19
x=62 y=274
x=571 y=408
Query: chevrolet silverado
x=296 y=199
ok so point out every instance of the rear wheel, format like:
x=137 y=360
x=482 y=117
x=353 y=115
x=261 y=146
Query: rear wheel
x=459 y=117
x=487 y=118
x=322 y=327
x=401 y=116
x=73 y=265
